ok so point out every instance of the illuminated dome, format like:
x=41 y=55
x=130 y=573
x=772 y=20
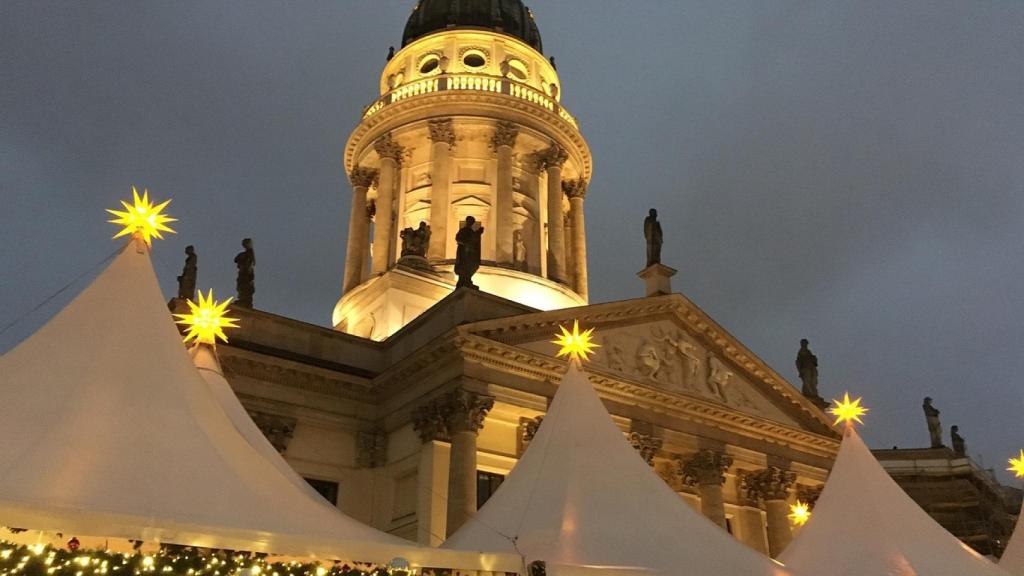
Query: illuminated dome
x=509 y=17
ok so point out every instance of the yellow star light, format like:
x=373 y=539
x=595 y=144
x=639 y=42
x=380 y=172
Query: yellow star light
x=848 y=411
x=799 y=513
x=143 y=218
x=576 y=345
x=206 y=321
x=1017 y=465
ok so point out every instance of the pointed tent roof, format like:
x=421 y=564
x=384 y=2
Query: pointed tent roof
x=1013 y=557
x=109 y=430
x=864 y=524
x=582 y=496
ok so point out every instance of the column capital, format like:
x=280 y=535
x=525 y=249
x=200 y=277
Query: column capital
x=553 y=156
x=771 y=483
x=646 y=444
x=705 y=467
x=442 y=130
x=362 y=177
x=465 y=411
x=386 y=147
x=505 y=134
x=527 y=430
x=371 y=448
x=429 y=422
x=575 y=188
x=809 y=494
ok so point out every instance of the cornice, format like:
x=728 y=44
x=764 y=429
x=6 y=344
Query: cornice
x=468 y=103
x=294 y=375
x=536 y=366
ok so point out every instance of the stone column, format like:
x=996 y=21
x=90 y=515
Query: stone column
x=503 y=141
x=706 y=470
x=576 y=190
x=358 y=227
x=772 y=486
x=464 y=417
x=647 y=445
x=432 y=474
x=390 y=153
x=442 y=134
x=553 y=159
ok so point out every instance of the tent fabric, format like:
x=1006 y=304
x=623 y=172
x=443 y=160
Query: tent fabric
x=582 y=496
x=108 y=429
x=1013 y=557
x=864 y=524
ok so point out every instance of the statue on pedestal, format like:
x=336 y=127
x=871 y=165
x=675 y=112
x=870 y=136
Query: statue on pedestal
x=415 y=240
x=467 y=253
x=959 y=446
x=652 y=233
x=807 y=368
x=187 y=280
x=245 y=284
x=931 y=415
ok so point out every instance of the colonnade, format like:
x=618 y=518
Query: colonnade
x=564 y=253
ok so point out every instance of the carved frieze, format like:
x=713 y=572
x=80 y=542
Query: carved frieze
x=705 y=467
x=442 y=130
x=771 y=483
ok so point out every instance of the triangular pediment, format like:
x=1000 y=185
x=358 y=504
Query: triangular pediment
x=667 y=344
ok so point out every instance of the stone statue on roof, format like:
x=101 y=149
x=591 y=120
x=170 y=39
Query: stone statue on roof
x=653 y=235
x=187 y=280
x=931 y=416
x=245 y=283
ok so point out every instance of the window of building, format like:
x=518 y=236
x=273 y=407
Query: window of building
x=430 y=64
x=326 y=488
x=474 y=59
x=486 y=485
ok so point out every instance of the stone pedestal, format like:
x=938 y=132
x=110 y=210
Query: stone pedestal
x=657 y=279
x=706 y=470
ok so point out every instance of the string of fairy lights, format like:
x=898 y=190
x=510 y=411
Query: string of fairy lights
x=205 y=323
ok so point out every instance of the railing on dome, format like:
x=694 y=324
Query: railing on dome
x=471 y=82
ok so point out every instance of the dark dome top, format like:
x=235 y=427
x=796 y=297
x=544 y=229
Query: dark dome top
x=504 y=16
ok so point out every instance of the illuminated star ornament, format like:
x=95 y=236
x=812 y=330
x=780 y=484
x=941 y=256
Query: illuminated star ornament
x=848 y=411
x=206 y=321
x=143 y=218
x=799 y=513
x=576 y=345
x=1017 y=465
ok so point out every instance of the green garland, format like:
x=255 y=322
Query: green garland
x=170 y=560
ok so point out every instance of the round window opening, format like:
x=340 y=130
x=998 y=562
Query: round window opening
x=429 y=65
x=474 y=60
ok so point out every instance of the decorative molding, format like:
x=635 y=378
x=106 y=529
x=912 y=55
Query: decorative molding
x=575 y=188
x=278 y=429
x=442 y=130
x=386 y=147
x=308 y=381
x=505 y=134
x=705 y=467
x=647 y=445
x=371 y=448
x=771 y=483
x=362 y=177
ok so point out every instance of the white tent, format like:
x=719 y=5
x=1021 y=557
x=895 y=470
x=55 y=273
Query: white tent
x=107 y=429
x=582 y=497
x=864 y=524
x=1013 y=557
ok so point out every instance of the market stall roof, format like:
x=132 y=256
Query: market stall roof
x=864 y=524
x=108 y=429
x=582 y=496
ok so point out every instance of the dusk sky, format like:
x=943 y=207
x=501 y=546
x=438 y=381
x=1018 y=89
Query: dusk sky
x=848 y=172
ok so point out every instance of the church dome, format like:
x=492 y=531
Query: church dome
x=509 y=17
